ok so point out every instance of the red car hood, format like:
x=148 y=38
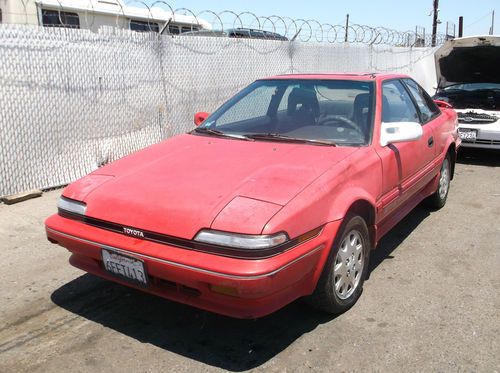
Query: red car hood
x=191 y=182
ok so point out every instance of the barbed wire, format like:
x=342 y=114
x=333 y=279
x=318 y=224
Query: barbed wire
x=304 y=30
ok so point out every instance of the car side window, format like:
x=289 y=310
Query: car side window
x=425 y=104
x=397 y=105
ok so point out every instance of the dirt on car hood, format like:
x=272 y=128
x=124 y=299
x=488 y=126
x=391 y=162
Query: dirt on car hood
x=468 y=60
x=191 y=182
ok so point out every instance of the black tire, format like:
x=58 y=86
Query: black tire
x=325 y=297
x=438 y=199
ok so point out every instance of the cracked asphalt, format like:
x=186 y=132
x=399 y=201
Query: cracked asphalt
x=431 y=303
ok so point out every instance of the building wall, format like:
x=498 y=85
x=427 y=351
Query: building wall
x=15 y=12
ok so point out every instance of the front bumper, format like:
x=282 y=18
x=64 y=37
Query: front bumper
x=242 y=288
x=488 y=136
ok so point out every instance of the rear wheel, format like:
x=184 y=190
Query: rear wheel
x=438 y=199
x=341 y=282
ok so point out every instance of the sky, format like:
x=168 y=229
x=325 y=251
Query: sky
x=402 y=15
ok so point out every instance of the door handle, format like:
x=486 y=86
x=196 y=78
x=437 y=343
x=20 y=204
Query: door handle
x=430 y=142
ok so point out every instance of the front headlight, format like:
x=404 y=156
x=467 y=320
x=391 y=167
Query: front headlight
x=241 y=241
x=71 y=206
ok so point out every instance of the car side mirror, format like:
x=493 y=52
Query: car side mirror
x=200 y=117
x=443 y=104
x=391 y=133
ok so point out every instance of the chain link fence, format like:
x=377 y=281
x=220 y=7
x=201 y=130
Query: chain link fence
x=72 y=100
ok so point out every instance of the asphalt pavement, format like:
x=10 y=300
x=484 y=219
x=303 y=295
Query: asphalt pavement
x=431 y=303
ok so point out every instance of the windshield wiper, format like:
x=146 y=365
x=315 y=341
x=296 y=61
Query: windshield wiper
x=219 y=133
x=285 y=138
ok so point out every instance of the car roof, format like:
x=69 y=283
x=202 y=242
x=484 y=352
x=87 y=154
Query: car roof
x=340 y=76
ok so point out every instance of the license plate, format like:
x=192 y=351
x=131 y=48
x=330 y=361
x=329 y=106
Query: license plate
x=467 y=134
x=125 y=267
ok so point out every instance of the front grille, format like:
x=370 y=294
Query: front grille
x=476 y=118
x=487 y=142
x=173 y=286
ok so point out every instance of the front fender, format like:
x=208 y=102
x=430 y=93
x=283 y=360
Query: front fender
x=328 y=198
x=348 y=198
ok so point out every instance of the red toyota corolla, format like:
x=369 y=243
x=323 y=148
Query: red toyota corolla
x=281 y=193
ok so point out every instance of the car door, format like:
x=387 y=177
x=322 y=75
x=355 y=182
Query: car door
x=405 y=165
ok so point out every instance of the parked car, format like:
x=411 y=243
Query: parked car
x=469 y=80
x=254 y=34
x=238 y=33
x=281 y=193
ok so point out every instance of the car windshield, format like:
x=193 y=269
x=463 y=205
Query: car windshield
x=473 y=87
x=321 y=112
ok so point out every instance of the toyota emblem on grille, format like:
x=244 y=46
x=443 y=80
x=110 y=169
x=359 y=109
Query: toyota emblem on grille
x=133 y=232
x=467 y=119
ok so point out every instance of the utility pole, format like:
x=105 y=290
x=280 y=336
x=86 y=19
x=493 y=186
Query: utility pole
x=435 y=22
x=347 y=28
x=492 y=29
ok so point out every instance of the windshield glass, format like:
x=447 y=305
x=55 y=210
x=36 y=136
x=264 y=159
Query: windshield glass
x=326 y=111
x=472 y=86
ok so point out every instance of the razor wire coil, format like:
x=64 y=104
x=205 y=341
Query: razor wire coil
x=309 y=30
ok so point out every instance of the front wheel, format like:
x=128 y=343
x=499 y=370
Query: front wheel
x=341 y=282
x=438 y=199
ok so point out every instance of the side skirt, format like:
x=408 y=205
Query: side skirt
x=383 y=227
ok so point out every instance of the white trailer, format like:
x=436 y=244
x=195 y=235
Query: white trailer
x=95 y=14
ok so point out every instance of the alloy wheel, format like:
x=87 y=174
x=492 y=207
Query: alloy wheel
x=349 y=265
x=444 y=179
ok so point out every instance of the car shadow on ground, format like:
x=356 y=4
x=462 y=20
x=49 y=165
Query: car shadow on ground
x=231 y=344
x=479 y=157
